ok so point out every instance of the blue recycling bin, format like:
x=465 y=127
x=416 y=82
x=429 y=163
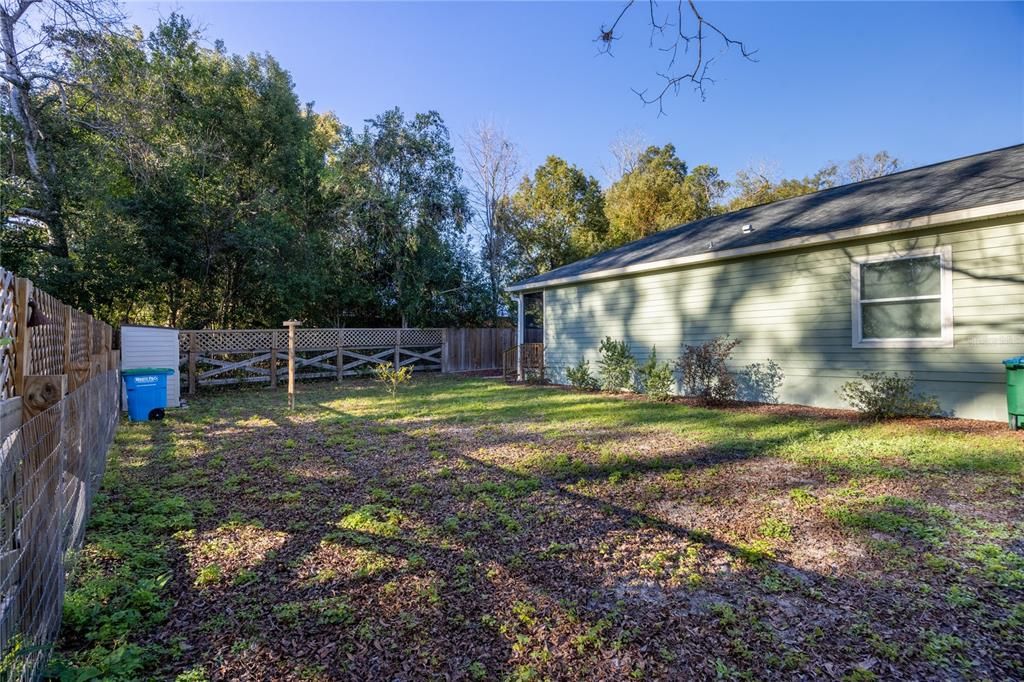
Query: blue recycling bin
x=146 y=388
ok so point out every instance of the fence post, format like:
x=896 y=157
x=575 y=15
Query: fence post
x=398 y=345
x=192 y=357
x=341 y=353
x=22 y=347
x=444 y=350
x=291 y=324
x=273 y=358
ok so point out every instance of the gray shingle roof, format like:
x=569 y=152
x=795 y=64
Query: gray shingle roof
x=979 y=180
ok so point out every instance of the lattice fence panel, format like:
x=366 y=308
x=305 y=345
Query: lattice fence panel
x=97 y=336
x=47 y=340
x=314 y=338
x=80 y=348
x=8 y=332
x=422 y=337
x=368 y=338
x=232 y=340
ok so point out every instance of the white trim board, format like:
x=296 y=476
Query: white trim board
x=1008 y=208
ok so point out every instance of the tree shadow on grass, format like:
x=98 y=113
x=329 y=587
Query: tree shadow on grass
x=407 y=554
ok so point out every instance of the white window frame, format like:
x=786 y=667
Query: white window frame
x=945 y=297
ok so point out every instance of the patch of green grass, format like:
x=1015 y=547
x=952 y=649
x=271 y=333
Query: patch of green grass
x=208 y=575
x=896 y=516
x=801 y=497
x=755 y=551
x=942 y=648
x=775 y=529
x=373 y=519
x=326 y=611
x=999 y=566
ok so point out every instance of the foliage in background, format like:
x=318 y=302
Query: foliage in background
x=656 y=379
x=196 y=190
x=392 y=378
x=617 y=365
x=580 y=377
x=657 y=192
x=760 y=382
x=152 y=179
x=557 y=217
x=704 y=370
x=881 y=395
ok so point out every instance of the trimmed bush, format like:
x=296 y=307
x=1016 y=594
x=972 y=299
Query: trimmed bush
x=580 y=377
x=656 y=378
x=705 y=373
x=885 y=396
x=617 y=364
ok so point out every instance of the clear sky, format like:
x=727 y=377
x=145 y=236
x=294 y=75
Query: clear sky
x=925 y=81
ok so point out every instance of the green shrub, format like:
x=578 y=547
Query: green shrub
x=656 y=378
x=885 y=396
x=705 y=373
x=617 y=365
x=580 y=377
x=392 y=378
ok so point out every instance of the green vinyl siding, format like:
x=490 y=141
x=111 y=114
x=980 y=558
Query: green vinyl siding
x=795 y=308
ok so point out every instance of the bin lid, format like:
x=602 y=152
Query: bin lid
x=146 y=370
x=1014 y=363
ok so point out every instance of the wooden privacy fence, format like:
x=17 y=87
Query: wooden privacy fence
x=470 y=350
x=260 y=356
x=58 y=416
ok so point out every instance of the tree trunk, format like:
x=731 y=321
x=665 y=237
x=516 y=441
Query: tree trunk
x=20 y=104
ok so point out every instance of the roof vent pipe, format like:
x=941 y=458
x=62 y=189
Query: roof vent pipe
x=748 y=228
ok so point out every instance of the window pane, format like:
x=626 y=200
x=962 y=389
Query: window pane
x=902 y=320
x=897 y=278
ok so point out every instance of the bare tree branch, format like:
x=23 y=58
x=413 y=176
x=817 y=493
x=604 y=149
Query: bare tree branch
x=493 y=171
x=676 y=44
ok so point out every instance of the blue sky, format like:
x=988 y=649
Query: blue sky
x=925 y=81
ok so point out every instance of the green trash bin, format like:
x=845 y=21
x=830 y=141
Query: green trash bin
x=1015 y=391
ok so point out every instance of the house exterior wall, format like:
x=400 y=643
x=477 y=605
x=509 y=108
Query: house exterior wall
x=795 y=308
x=152 y=347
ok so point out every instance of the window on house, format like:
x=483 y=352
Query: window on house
x=903 y=301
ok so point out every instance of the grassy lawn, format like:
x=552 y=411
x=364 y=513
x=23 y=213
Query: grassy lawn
x=481 y=531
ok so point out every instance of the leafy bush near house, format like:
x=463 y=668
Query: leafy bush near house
x=705 y=373
x=656 y=378
x=617 y=365
x=580 y=377
x=885 y=396
x=760 y=382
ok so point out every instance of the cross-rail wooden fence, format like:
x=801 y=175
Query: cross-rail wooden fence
x=259 y=356
x=59 y=398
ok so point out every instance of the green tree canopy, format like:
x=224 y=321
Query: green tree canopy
x=659 y=192
x=558 y=217
x=401 y=211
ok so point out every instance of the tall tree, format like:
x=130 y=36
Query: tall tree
x=35 y=37
x=402 y=213
x=760 y=184
x=493 y=170
x=658 y=192
x=558 y=217
x=863 y=167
